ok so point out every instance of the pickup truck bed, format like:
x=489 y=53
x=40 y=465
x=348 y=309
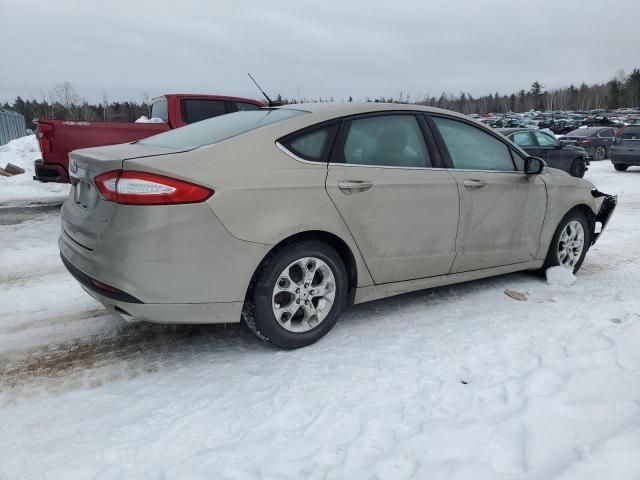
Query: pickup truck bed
x=59 y=137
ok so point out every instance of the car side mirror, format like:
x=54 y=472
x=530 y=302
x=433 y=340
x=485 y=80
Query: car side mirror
x=533 y=165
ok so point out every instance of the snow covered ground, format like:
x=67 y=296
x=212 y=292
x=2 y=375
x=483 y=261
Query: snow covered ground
x=21 y=189
x=461 y=382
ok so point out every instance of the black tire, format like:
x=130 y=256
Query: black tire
x=258 y=312
x=553 y=259
x=578 y=168
x=621 y=167
x=600 y=153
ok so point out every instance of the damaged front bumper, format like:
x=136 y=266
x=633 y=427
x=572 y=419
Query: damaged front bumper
x=607 y=206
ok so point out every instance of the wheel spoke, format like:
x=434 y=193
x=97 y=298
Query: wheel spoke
x=303 y=295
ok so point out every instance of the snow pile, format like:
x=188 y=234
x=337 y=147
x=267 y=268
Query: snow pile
x=560 y=277
x=456 y=383
x=145 y=119
x=22 y=188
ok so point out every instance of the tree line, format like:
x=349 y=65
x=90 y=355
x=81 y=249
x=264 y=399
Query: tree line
x=622 y=90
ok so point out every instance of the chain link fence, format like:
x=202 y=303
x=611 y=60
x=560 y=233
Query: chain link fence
x=12 y=126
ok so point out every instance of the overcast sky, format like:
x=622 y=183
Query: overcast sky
x=318 y=48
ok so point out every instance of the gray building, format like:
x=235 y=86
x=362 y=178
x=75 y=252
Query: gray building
x=12 y=125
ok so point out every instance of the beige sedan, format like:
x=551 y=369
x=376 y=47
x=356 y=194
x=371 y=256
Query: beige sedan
x=285 y=216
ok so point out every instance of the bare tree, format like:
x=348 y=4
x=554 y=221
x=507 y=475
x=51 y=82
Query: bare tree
x=106 y=112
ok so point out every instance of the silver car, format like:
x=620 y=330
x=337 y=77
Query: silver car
x=283 y=217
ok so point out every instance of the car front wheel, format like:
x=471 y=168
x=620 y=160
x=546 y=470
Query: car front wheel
x=570 y=242
x=297 y=294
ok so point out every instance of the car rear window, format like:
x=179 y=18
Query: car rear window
x=214 y=130
x=630 y=133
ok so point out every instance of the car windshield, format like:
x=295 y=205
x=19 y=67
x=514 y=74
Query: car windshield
x=219 y=128
x=582 y=132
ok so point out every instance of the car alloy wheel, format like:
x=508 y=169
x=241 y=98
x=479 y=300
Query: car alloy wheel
x=571 y=244
x=601 y=153
x=304 y=294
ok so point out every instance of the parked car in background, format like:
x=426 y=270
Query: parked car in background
x=284 y=216
x=596 y=141
x=570 y=158
x=625 y=151
x=59 y=137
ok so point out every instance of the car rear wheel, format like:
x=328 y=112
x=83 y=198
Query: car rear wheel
x=621 y=167
x=578 y=167
x=601 y=153
x=297 y=294
x=570 y=242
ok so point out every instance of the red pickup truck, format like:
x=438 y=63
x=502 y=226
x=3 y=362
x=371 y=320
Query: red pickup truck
x=59 y=137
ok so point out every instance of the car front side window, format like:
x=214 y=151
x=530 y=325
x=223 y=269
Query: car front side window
x=523 y=139
x=386 y=140
x=545 y=140
x=471 y=148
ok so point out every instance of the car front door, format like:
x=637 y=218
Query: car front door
x=401 y=209
x=501 y=208
x=552 y=152
x=606 y=137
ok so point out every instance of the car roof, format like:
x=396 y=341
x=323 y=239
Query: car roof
x=353 y=108
x=509 y=131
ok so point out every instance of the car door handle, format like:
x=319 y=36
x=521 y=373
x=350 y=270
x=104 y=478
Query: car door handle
x=354 y=186
x=474 y=184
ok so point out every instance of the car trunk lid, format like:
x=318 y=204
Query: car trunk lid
x=86 y=214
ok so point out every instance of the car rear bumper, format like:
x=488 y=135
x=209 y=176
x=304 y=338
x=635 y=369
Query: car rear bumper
x=626 y=156
x=50 y=172
x=132 y=309
x=605 y=211
x=175 y=264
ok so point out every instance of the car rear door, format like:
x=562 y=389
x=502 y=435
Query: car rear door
x=402 y=209
x=606 y=137
x=501 y=208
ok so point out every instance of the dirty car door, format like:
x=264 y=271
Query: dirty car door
x=501 y=208
x=401 y=211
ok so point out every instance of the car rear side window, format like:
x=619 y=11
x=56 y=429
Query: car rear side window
x=386 y=140
x=471 y=148
x=606 y=133
x=198 y=110
x=220 y=128
x=312 y=145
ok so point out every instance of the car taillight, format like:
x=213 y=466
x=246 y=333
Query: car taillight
x=584 y=142
x=142 y=188
x=618 y=134
x=45 y=143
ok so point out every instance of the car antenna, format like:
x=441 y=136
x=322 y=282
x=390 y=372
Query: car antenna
x=270 y=102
